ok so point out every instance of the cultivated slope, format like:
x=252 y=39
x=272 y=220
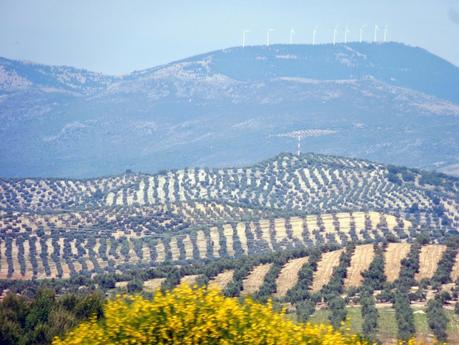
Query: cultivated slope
x=58 y=227
x=287 y=277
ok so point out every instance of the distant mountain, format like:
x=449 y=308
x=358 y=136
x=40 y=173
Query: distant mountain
x=26 y=76
x=385 y=102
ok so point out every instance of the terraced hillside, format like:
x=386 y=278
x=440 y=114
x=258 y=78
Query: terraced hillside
x=58 y=227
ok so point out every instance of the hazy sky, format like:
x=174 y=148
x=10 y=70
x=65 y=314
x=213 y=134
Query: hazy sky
x=115 y=36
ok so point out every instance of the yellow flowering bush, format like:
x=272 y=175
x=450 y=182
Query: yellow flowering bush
x=198 y=316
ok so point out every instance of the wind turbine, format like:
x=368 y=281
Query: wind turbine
x=314 y=32
x=385 y=33
x=268 y=36
x=346 y=31
x=375 y=37
x=335 y=31
x=361 y=32
x=292 y=32
x=243 y=37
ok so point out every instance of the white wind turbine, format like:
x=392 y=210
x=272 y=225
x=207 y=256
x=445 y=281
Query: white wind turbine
x=385 y=33
x=292 y=32
x=335 y=31
x=268 y=34
x=361 y=32
x=244 y=33
x=314 y=33
x=375 y=36
x=346 y=31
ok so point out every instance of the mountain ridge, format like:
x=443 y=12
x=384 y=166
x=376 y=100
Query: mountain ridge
x=248 y=52
x=233 y=107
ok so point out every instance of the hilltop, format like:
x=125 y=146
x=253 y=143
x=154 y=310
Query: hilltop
x=232 y=107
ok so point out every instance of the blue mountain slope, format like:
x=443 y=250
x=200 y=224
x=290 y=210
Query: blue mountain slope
x=394 y=63
x=385 y=102
x=17 y=75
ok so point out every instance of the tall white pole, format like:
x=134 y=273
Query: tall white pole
x=292 y=32
x=335 y=31
x=361 y=33
x=375 y=36
x=314 y=32
x=346 y=31
x=268 y=36
x=385 y=33
x=243 y=37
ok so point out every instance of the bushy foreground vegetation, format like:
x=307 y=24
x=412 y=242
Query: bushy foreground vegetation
x=39 y=320
x=198 y=316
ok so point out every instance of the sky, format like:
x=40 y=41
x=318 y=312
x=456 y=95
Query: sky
x=118 y=37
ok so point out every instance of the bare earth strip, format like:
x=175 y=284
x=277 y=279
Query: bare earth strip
x=360 y=261
x=455 y=270
x=297 y=228
x=202 y=244
x=3 y=261
x=188 y=244
x=160 y=251
x=121 y=285
x=428 y=260
x=228 y=232
x=281 y=231
x=288 y=276
x=174 y=249
x=189 y=280
x=221 y=280
x=395 y=252
x=325 y=269
x=252 y=283
x=240 y=228
x=153 y=284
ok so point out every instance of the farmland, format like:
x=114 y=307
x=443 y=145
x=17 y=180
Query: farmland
x=254 y=274
x=329 y=261
x=57 y=228
x=315 y=233
x=388 y=325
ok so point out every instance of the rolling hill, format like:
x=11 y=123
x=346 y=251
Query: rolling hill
x=321 y=235
x=389 y=103
x=62 y=227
